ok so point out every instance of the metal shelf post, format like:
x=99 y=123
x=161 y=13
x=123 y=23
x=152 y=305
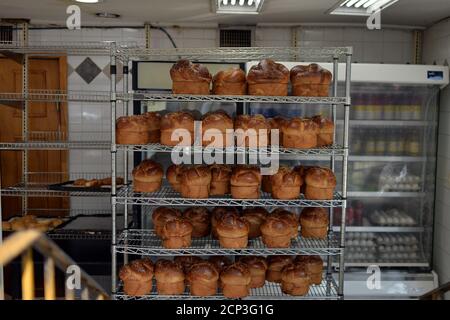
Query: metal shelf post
x=113 y=167
x=345 y=171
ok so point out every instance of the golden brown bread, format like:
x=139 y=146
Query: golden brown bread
x=251 y=131
x=236 y=280
x=310 y=81
x=173 y=175
x=245 y=182
x=230 y=82
x=232 y=231
x=257 y=266
x=313 y=265
x=295 y=280
x=190 y=78
x=177 y=233
x=180 y=125
x=255 y=217
x=138 y=129
x=268 y=78
x=195 y=181
x=320 y=183
x=314 y=222
x=220 y=179
x=300 y=133
x=275 y=266
x=217 y=213
x=161 y=215
x=276 y=232
x=200 y=219
x=147 y=176
x=214 y=125
x=290 y=218
x=286 y=183
x=203 y=278
x=326 y=130
x=169 y=277
x=137 y=277
x=320 y=177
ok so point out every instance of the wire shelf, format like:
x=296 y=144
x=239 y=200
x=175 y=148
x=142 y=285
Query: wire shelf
x=166 y=196
x=45 y=140
x=79 y=235
x=326 y=290
x=57 y=96
x=85 y=48
x=146 y=242
x=146 y=96
x=242 y=54
x=336 y=150
x=38 y=185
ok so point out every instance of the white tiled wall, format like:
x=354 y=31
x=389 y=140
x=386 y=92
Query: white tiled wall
x=437 y=50
x=389 y=46
x=370 y=46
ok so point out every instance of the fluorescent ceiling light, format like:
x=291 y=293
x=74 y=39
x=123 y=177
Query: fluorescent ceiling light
x=89 y=1
x=360 y=7
x=237 y=6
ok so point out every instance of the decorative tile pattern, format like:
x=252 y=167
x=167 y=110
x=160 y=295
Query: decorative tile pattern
x=88 y=70
x=107 y=71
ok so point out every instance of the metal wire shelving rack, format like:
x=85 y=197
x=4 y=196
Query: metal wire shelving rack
x=143 y=242
x=21 y=50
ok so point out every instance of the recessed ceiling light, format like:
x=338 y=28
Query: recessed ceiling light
x=237 y=6
x=360 y=7
x=107 y=15
x=89 y=1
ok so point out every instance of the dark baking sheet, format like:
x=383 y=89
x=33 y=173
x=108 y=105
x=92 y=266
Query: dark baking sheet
x=62 y=225
x=68 y=186
x=92 y=223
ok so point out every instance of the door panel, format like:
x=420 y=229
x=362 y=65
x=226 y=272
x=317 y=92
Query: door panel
x=44 y=73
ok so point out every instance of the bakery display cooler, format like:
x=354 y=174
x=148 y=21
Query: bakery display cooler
x=152 y=92
x=391 y=181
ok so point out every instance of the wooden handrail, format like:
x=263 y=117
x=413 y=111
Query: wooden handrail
x=22 y=244
x=436 y=294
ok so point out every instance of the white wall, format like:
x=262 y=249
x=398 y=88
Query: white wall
x=384 y=46
x=437 y=50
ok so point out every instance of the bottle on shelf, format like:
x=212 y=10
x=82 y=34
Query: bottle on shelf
x=380 y=144
x=356 y=142
x=389 y=107
x=370 y=142
x=413 y=143
x=416 y=112
x=378 y=100
x=391 y=144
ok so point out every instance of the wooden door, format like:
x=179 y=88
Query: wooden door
x=44 y=73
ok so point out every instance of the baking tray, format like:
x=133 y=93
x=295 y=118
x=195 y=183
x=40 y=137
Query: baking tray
x=62 y=225
x=89 y=225
x=68 y=186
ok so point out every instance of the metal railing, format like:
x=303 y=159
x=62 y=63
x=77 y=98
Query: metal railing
x=436 y=294
x=22 y=244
